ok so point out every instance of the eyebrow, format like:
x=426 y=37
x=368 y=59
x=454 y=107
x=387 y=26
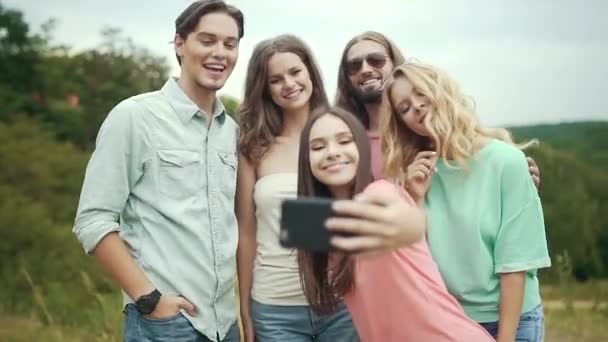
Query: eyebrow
x=204 y=34
x=343 y=133
x=361 y=55
x=338 y=135
x=315 y=140
x=402 y=104
x=292 y=69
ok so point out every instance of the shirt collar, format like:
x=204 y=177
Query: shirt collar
x=184 y=106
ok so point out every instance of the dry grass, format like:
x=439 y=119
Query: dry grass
x=583 y=323
x=580 y=325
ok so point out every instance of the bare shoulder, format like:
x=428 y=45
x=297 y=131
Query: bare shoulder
x=282 y=156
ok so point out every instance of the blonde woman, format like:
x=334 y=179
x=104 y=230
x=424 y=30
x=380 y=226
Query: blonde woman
x=486 y=230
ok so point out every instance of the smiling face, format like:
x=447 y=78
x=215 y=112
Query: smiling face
x=289 y=82
x=333 y=154
x=368 y=65
x=410 y=105
x=209 y=53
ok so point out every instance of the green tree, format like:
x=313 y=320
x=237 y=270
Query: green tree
x=572 y=206
x=70 y=93
x=18 y=59
x=231 y=104
x=18 y=53
x=99 y=79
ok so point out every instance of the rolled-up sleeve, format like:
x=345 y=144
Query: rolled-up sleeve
x=112 y=170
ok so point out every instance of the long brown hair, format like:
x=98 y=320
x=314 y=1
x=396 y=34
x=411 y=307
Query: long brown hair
x=345 y=94
x=261 y=120
x=325 y=284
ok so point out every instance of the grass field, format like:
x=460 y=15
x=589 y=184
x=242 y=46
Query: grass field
x=585 y=320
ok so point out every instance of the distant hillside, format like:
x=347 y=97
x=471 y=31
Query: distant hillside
x=586 y=140
x=573 y=158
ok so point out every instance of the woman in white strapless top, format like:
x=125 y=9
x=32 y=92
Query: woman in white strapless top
x=275 y=268
x=283 y=86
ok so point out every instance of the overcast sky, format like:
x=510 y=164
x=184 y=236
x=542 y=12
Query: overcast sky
x=523 y=61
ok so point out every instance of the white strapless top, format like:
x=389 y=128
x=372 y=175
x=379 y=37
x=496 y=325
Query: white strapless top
x=276 y=280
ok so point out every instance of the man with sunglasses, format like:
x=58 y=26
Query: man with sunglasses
x=367 y=62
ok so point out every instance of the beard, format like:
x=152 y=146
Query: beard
x=372 y=96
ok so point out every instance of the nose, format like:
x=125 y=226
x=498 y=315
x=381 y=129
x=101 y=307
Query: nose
x=419 y=103
x=289 y=83
x=219 y=51
x=366 y=68
x=332 y=151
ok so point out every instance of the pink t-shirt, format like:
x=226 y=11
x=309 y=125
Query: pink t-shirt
x=376 y=154
x=399 y=296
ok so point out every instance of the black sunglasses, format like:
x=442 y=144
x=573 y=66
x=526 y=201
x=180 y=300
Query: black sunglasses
x=375 y=60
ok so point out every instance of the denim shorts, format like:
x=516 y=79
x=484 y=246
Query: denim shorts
x=172 y=329
x=531 y=326
x=281 y=323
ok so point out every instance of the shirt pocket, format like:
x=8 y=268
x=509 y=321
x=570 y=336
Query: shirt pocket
x=228 y=165
x=179 y=173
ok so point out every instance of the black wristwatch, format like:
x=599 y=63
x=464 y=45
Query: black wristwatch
x=147 y=303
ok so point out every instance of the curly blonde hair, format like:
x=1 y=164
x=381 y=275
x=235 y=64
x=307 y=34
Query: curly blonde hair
x=451 y=121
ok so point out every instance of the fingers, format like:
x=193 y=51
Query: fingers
x=426 y=155
x=354 y=226
x=189 y=307
x=429 y=158
x=358 y=244
x=533 y=167
x=423 y=164
x=422 y=173
x=534 y=171
x=362 y=208
x=536 y=181
x=428 y=163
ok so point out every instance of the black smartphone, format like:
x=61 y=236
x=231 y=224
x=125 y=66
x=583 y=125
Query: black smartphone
x=303 y=223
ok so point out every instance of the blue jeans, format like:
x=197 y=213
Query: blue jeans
x=279 y=323
x=171 y=329
x=531 y=326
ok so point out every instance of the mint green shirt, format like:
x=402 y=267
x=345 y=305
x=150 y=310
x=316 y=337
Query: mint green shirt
x=165 y=179
x=486 y=222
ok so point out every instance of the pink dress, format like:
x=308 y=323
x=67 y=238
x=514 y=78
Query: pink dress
x=399 y=296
